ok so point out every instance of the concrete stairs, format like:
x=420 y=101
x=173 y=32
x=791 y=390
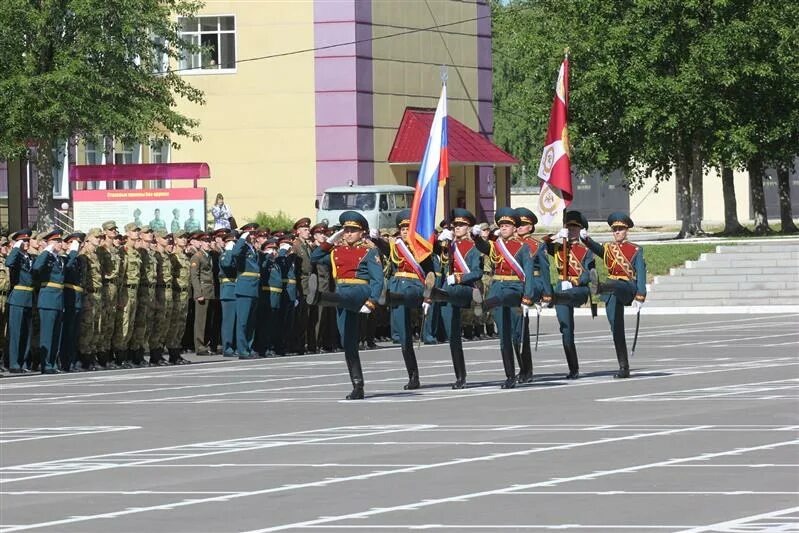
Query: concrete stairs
x=765 y=272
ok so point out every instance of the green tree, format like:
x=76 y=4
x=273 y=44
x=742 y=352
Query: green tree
x=77 y=68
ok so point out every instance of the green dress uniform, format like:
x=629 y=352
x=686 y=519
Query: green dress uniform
x=5 y=288
x=463 y=271
x=20 y=306
x=263 y=343
x=306 y=318
x=406 y=293
x=514 y=283
x=626 y=283
x=202 y=286
x=227 y=297
x=572 y=289
x=50 y=269
x=248 y=278
x=74 y=281
x=358 y=274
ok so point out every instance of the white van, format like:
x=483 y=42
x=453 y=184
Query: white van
x=379 y=204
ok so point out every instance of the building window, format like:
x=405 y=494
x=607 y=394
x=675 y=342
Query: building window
x=217 y=37
x=128 y=154
x=60 y=171
x=159 y=153
x=93 y=155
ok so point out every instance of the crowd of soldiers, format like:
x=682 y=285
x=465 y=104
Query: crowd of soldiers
x=108 y=299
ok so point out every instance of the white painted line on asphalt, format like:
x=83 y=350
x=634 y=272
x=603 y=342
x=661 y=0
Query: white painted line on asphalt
x=505 y=490
x=698 y=343
x=336 y=480
x=656 y=493
x=720 y=392
x=743 y=524
x=9 y=435
x=485 y=527
x=93 y=463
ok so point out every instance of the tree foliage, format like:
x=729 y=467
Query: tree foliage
x=78 y=68
x=657 y=86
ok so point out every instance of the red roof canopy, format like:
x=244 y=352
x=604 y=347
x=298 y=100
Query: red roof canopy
x=152 y=171
x=465 y=146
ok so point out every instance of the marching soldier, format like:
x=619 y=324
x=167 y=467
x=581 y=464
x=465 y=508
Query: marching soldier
x=527 y=222
x=73 y=304
x=49 y=268
x=515 y=267
x=202 y=288
x=20 y=302
x=461 y=286
x=574 y=262
x=248 y=275
x=358 y=273
x=405 y=291
x=626 y=283
x=227 y=295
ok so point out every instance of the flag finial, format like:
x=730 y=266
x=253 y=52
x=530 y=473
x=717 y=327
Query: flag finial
x=566 y=51
x=444 y=74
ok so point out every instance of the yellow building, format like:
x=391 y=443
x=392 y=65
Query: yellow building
x=306 y=95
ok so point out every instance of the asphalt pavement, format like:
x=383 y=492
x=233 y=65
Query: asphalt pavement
x=703 y=437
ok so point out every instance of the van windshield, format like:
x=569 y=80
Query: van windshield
x=360 y=201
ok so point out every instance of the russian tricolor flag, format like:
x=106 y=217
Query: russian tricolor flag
x=433 y=172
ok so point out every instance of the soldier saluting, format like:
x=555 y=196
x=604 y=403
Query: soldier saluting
x=626 y=283
x=20 y=302
x=358 y=273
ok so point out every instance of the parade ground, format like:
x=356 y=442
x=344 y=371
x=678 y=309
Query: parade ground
x=703 y=438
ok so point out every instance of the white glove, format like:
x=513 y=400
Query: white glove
x=365 y=309
x=566 y=285
x=425 y=308
x=562 y=234
x=496 y=233
x=583 y=233
x=285 y=246
x=271 y=251
x=373 y=233
x=74 y=246
x=451 y=279
x=296 y=303
x=476 y=230
x=18 y=244
x=637 y=305
x=538 y=307
x=229 y=245
x=445 y=235
x=526 y=310
x=245 y=235
x=49 y=248
x=333 y=239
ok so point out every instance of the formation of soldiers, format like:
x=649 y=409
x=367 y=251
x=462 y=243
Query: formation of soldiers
x=106 y=299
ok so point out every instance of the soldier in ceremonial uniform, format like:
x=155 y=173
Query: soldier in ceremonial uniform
x=20 y=302
x=110 y=264
x=248 y=275
x=574 y=263
x=461 y=285
x=514 y=285
x=49 y=268
x=74 y=281
x=527 y=222
x=264 y=330
x=406 y=291
x=626 y=283
x=358 y=273
x=5 y=288
x=227 y=295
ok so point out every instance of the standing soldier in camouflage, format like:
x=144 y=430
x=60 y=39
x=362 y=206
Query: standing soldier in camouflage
x=179 y=271
x=74 y=280
x=201 y=274
x=159 y=319
x=130 y=275
x=139 y=342
x=109 y=260
x=90 y=317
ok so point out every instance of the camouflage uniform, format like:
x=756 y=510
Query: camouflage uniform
x=139 y=341
x=127 y=301
x=110 y=265
x=161 y=306
x=180 y=304
x=90 y=339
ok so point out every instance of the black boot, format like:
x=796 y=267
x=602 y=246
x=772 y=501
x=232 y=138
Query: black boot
x=624 y=365
x=328 y=299
x=356 y=376
x=571 y=360
x=510 y=370
x=460 y=369
x=392 y=299
x=411 y=366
